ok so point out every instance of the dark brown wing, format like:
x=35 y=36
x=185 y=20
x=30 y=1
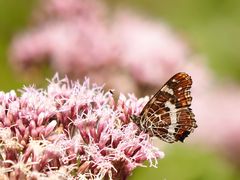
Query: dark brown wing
x=167 y=115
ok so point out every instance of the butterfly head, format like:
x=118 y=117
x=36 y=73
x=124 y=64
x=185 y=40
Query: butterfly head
x=135 y=119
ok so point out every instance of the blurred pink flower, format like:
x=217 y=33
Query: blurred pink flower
x=150 y=51
x=78 y=38
x=73 y=40
x=68 y=46
x=71 y=130
x=218 y=120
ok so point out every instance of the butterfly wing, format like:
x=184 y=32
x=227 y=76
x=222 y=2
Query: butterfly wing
x=168 y=115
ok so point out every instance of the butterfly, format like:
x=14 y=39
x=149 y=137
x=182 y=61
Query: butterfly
x=168 y=115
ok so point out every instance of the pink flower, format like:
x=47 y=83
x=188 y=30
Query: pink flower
x=74 y=38
x=150 y=51
x=71 y=130
x=65 y=44
x=78 y=38
x=218 y=120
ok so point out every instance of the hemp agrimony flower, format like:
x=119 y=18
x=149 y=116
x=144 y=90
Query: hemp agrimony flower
x=71 y=130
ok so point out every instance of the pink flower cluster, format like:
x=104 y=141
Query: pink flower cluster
x=219 y=123
x=73 y=38
x=71 y=130
x=79 y=38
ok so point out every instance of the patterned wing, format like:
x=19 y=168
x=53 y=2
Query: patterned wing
x=168 y=115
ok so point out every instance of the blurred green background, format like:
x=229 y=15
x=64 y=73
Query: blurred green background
x=188 y=163
x=211 y=27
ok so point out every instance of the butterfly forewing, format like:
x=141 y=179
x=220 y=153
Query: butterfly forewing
x=167 y=115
